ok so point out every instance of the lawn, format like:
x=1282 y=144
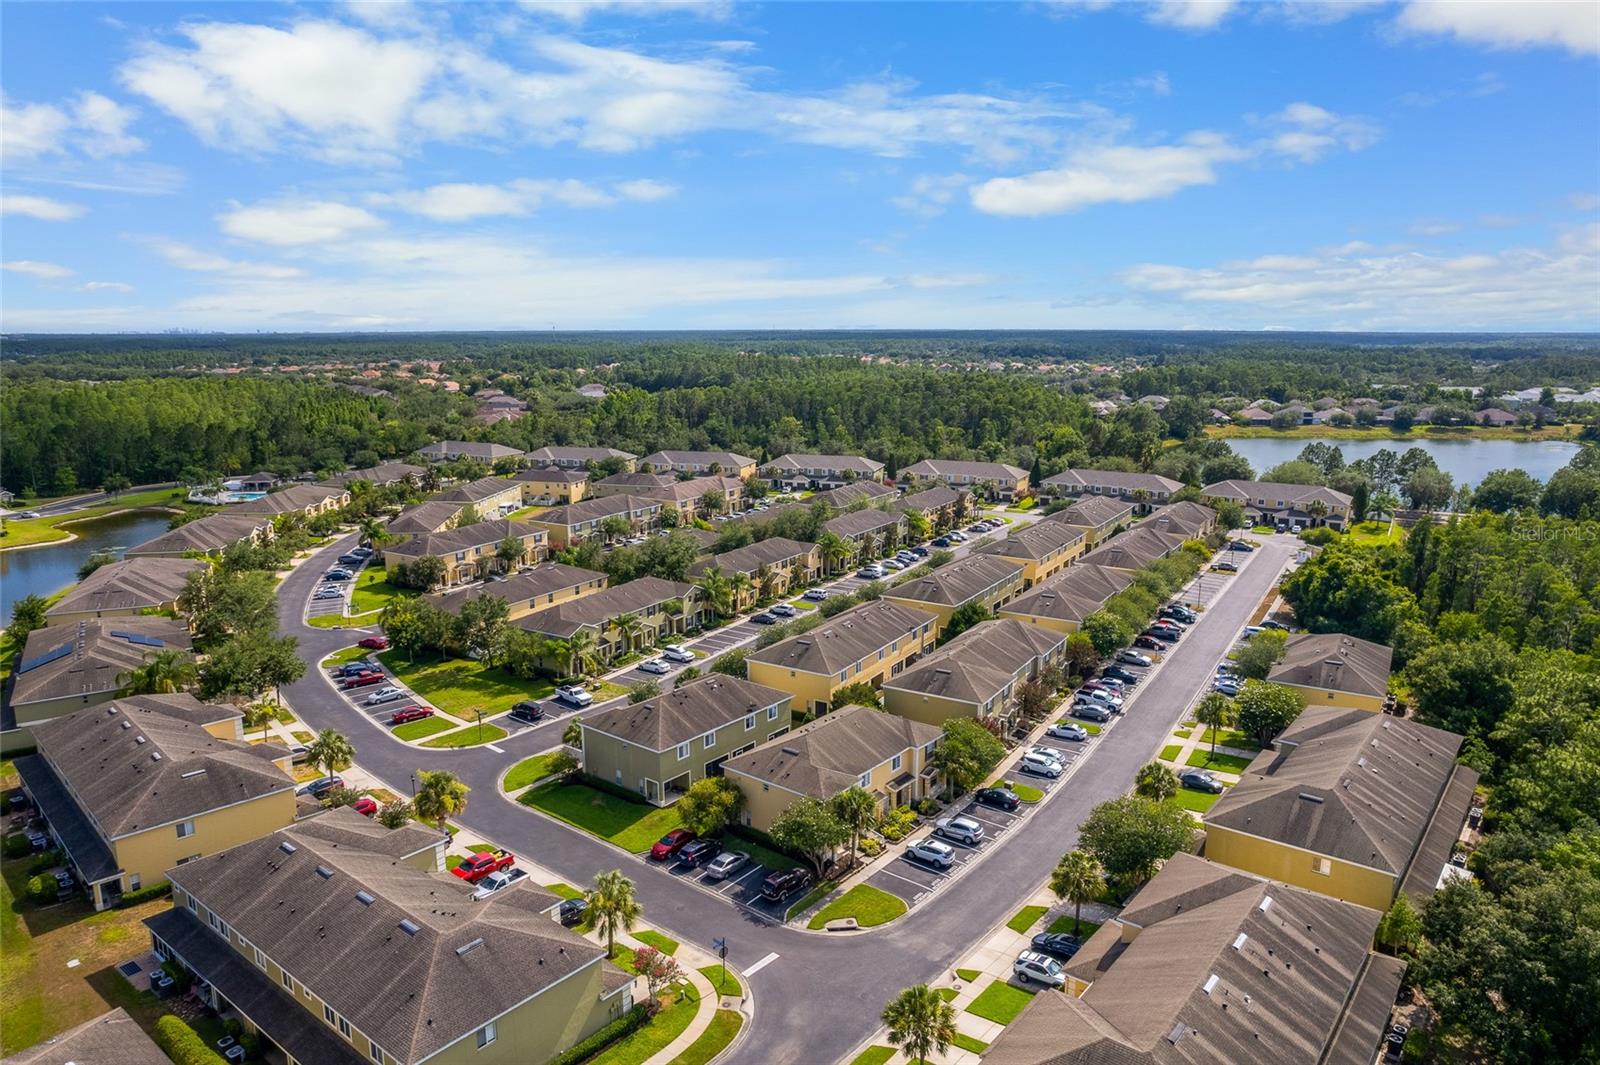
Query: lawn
x=633 y=826
x=374 y=592
x=1375 y=532
x=1064 y=924
x=1230 y=737
x=644 y=1043
x=1195 y=801
x=665 y=944
x=1025 y=792
x=947 y=993
x=1170 y=752
x=457 y=685
x=469 y=736
x=967 y=1043
x=760 y=853
x=529 y=770
x=333 y=621
x=873 y=1055
x=728 y=985
x=1000 y=1002
x=812 y=897
x=1228 y=763
x=563 y=891
x=1026 y=918
x=20 y=532
x=1182 y=734
x=967 y=975
x=722 y=1030
x=865 y=903
x=345 y=657
x=1091 y=729
x=428 y=726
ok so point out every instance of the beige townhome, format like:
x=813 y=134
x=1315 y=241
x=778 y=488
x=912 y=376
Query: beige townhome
x=990 y=480
x=866 y=644
x=800 y=471
x=551 y=486
x=853 y=747
x=136 y=786
x=1098 y=517
x=385 y=473
x=338 y=950
x=585 y=520
x=492 y=497
x=1208 y=966
x=470 y=551
x=1332 y=669
x=436 y=515
x=685 y=496
x=773 y=566
x=662 y=745
x=64 y=668
x=544 y=585
x=1354 y=805
x=942 y=505
x=1062 y=602
x=1189 y=520
x=1042 y=549
x=111 y=1037
x=629 y=617
x=307 y=500
x=856 y=492
x=1142 y=490
x=983 y=579
x=1301 y=505
x=580 y=458
x=1133 y=550
x=208 y=535
x=122 y=589
x=450 y=450
x=872 y=532
x=976 y=675
x=698 y=463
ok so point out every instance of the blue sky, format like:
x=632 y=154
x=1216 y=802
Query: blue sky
x=1306 y=165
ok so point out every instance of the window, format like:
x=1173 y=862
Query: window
x=709 y=740
x=194 y=906
x=749 y=722
x=328 y=1014
x=1322 y=866
x=486 y=1035
x=344 y=1027
x=288 y=981
x=683 y=751
x=133 y=881
x=375 y=1052
x=772 y=713
x=894 y=763
x=866 y=780
x=185 y=829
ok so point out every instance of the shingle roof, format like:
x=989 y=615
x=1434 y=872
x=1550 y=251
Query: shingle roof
x=132 y=584
x=579 y=454
x=931 y=498
x=1093 y=512
x=542 y=580
x=545 y=473
x=1117 y=479
x=414 y=992
x=478 y=534
x=726 y=459
x=751 y=557
x=846 y=494
x=1133 y=549
x=595 y=509
x=112 y=1038
x=479 y=490
x=383 y=473
x=1187 y=519
x=564 y=619
x=89 y=657
x=956 y=583
x=799 y=461
x=998 y=471
x=295 y=497
x=424 y=517
x=1333 y=661
x=861 y=522
x=1070 y=595
x=1035 y=542
x=211 y=533
x=977 y=665
x=828 y=755
x=1225 y=969
x=845 y=638
x=1291 y=494
x=1349 y=784
x=471 y=449
x=671 y=718
x=637 y=480
x=164 y=766
x=693 y=488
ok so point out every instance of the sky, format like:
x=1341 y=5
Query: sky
x=1176 y=164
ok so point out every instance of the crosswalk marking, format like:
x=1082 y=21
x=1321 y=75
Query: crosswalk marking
x=762 y=964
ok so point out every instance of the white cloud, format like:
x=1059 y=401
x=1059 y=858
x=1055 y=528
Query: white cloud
x=1191 y=14
x=187 y=257
x=40 y=207
x=646 y=190
x=107 y=286
x=44 y=271
x=1158 y=83
x=1110 y=174
x=462 y=202
x=576 y=12
x=289 y=222
x=930 y=194
x=91 y=124
x=28 y=130
x=1570 y=24
x=1433 y=227
x=1307 y=132
x=102 y=126
x=1584 y=201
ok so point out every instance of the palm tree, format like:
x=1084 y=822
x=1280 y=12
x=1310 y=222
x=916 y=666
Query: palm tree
x=164 y=673
x=869 y=546
x=331 y=751
x=440 y=796
x=628 y=629
x=583 y=654
x=259 y=715
x=1317 y=509
x=1077 y=879
x=1386 y=502
x=613 y=906
x=920 y=1022
x=856 y=807
x=1215 y=711
x=834 y=549
x=717 y=590
x=767 y=581
x=1156 y=782
x=742 y=586
x=373 y=531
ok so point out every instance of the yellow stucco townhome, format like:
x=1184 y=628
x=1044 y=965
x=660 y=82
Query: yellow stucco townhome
x=307 y=500
x=993 y=480
x=855 y=746
x=976 y=675
x=580 y=458
x=1133 y=550
x=662 y=745
x=800 y=471
x=1141 y=490
x=533 y=589
x=333 y=945
x=471 y=551
x=942 y=505
x=873 y=532
x=683 y=495
x=1188 y=519
x=435 y=515
x=1098 y=517
x=1332 y=669
x=122 y=589
x=1354 y=805
x=866 y=644
x=551 y=486
x=1271 y=502
x=983 y=579
x=492 y=497
x=700 y=463
x=1062 y=602
x=136 y=786
x=1042 y=549
x=658 y=608
x=586 y=520
x=777 y=563
x=64 y=668
x=476 y=450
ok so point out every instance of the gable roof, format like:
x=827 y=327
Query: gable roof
x=1187 y=519
x=828 y=755
x=845 y=638
x=998 y=471
x=132 y=584
x=88 y=657
x=847 y=494
x=728 y=460
x=801 y=461
x=977 y=665
x=550 y=474
x=561 y=453
x=959 y=582
x=424 y=517
x=1133 y=549
x=542 y=580
x=467 y=536
x=597 y=608
x=595 y=508
x=1093 y=512
x=638 y=480
x=940 y=495
x=1071 y=595
x=751 y=557
x=693 y=488
x=1115 y=479
x=295 y=497
x=214 y=532
x=863 y=521
x=112 y=1037
x=479 y=490
x=475 y=449
x=677 y=716
x=383 y=473
x=1333 y=661
x=1291 y=494
x=1035 y=542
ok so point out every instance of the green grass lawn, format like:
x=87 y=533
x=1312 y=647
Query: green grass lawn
x=665 y=944
x=967 y=975
x=528 y=770
x=947 y=993
x=722 y=1031
x=1026 y=918
x=1228 y=763
x=633 y=826
x=1091 y=729
x=333 y=621
x=1170 y=751
x=345 y=657
x=812 y=897
x=1064 y=924
x=873 y=1055
x=967 y=1043
x=725 y=986
x=456 y=685
x=21 y=532
x=1230 y=737
x=1196 y=801
x=563 y=891
x=468 y=736
x=1027 y=793
x=1375 y=532
x=644 y=1043
x=428 y=726
x=1182 y=734
x=760 y=853
x=1000 y=1002
x=374 y=592
x=865 y=903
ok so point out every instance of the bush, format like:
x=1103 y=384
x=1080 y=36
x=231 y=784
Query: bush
x=42 y=889
x=134 y=898
x=47 y=860
x=183 y=1044
x=927 y=807
x=591 y=1046
x=871 y=846
x=16 y=846
x=898 y=824
x=1321 y=536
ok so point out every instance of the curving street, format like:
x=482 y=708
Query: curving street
x=842 y=982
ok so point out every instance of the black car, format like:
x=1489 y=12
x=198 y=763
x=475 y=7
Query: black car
x=942 y=541
x=779 y=885
x=1118 y=673
x=1200 y=780
x=698 y=850
x=1004 y=798
x=323 y=785
x=1240 y=545
x=1179 y=614
x=352 y=560
x=527 y=712
x=571 y=911
x=920 y=552
x=1057 y=944
x=352 y=669
x=765 y=618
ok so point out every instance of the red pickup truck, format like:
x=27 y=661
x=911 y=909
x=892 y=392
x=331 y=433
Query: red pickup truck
x=480 y=865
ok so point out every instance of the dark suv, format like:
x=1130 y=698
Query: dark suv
x=783 y=883
x=527 y=712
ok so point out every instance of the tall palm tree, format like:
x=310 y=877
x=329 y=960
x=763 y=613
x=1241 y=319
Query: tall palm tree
x=1317 y=509
x=856 y=807
x=1156 y=782
x=259 y=715
x=628 y=629
x=331 y=751
x=742 y=586
x=869 y=546
x=717 y=590
x=1077 y=879
x=613 y=906
x=1215 y=711
x=440 y=796
x=834 y=550
x=162 y=674
x=583 y=653
x=767 y=581
x=920 y=1022
x=372 y=530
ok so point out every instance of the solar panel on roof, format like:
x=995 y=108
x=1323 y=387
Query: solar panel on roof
x=139 y=638
x=46 y=658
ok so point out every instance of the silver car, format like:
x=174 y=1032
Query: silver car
x=725 y=863
x=961 y=829
x=655 y=665
x=1031 y=967
x=1039 y=765
x=384 y=695
x=932 y=852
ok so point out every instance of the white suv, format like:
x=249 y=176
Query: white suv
x=1039 y=765
x=932 y=852
x=1035 y=968
x=961 y=829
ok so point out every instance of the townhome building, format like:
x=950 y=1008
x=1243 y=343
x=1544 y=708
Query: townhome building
x=133 y=787
x=941 y=505
x=846 y=496
x=337 y=950
x=533 y=589
x=306 y=500
x=262 y=481
x=139 y=585
x=492 y=497
x=1300 y=505
x=436 y=515
x=1042 y=549
x=1190 y=520
x=1133 y=550
x=688 y=497
x=551 y=486
x=801 y=471
x=700 y=463
x=985 y=580
x=211 y=534
x=1332 y=669
x=64 y=668
x=1142 y=490
x=580 y=458
x=977 y=675
x=588 y=519
x=866 y=644
x=774 y=566
x=1062 y=602
x=628 y=617
x=385 y=473
x=990 y=480
x=477 y=451
x=470 y=552
x=662 y=745
x=871 y=531
x=1098 y=516
x=890 y=757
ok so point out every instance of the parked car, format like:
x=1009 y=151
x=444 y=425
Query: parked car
x=1048 y=752
x=363 y=680
x=920 y=552
x=931 y=852
x=366 y=806
x=384 y=695
x=941 y=541
x=815 y=595
x=764 y=618
x=698 y=850
x=410 y=713
x=892 y=564
x=327 y=593
x=1241 y=545
x=1056 y=944
x=670 y=844
x=1066 y=730
x=299 y=754
x=1103 y=696
x=1165 y=630
x=871 y=573
x=726 y=863
x=1118 y=673
x=1092 y=712
x=1039 y=766
x=1270 y=623
x=1001 y=798
x=498 y=881
x=961 y=829
x=361 y=552
x=571 y=911
x=1148 y=643
x=1179 y=613
x=1251 y=630
x=1200 y=780
x=337 y=575
x=958 y=537
x=575 y=694
x=1228 y=686
x=1032 y=967
x=322 y=786
x=351 y=559
x=375 y=643
x=475 y=867
x=656 y=665
x=1134 y=658
x=528 y=712
x=352 y=669
x=678 y=654
x=1225 y=567
x=29 y=514
x=779 y=885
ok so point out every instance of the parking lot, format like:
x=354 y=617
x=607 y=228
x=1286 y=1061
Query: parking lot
x=742 y=889
x=316 y=607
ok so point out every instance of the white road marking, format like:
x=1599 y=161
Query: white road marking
x=762 y=964
x=495 y=749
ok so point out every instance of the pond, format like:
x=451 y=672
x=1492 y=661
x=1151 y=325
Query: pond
x=1464 y=460
x=46 y=570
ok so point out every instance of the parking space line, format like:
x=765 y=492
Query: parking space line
x=907 y=879
x=495 y=749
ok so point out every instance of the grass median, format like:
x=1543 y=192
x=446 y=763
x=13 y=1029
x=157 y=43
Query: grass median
x=529 y=770
x=868 y=905
x=459 y=685
x=1000 y=1002
x=633 y=826
x=1227 y=763
x=416 y=730
x=468 y=736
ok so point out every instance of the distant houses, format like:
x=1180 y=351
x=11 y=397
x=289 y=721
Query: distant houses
x=991 y=480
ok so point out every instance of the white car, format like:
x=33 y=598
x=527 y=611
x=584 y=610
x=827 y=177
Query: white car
x=959 y=537
x=1133 y=658
x=1050 y=753
x=384 y=695
x=961 y=829
x=783 y=610
x=1039 y=767
x=890 y=563
x=725 y=863
x=498 y=880
x=1097 y=695
x=932 y=852
x=677 y=654
x=655 y=665
x=1031 y=967
x=572 y=693
x=1066 y=730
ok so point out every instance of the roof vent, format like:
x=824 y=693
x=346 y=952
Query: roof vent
x=409 y=927
x=1265 y=904
x=155 y=756
x=365 y=898
x=1211 y=982
x=790 y=751
x=127 y=724
x=137 y=739
x=1308 y=797
x=287 y=847
x=111 y=710
x=324 y=872
x=467 y=948
x=1179 y=1030
x=192 y=773
x=1240 y=941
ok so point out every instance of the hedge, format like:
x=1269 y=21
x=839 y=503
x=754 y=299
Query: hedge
x=47 y=860
x=43 y=889
x=623 y=1025
x=183 y=1044
x=133 y=898
x=16 y=846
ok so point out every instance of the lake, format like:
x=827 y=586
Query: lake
x=1464 y=460
x=46 y=570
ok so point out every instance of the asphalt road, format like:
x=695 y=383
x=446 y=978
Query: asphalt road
x=819 y=997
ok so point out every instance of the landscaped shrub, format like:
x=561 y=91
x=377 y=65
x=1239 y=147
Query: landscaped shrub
x=183 y=1044
x=927 y=807
x=898 y=824
x=42 y=889
x=47 y=860
x=1321 y=536
x=591 y=1046
x=134 y=898
x=16 y=846
x=871 y=847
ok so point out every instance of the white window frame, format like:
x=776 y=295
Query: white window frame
x=486 y=1035
x=772 y=713
x=185 y=828
x=866 y=780
x=375 y=1052
x=286 y=979
x=683 y=750
x=894 y=763
x=749 y=722
x=709 y=740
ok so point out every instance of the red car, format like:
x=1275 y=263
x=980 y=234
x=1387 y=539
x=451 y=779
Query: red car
x=366 y=806
x=363 y=680
x=477 y=866
x=670 y=844
x=375 y=643
x=410 y=713
x=1149 y=643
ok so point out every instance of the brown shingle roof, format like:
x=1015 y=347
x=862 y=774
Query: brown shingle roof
x=1093 y=512
x=846 y=494
x=728 y=460
x=478 y=534
x=845 y=638
x=89 y=657
x=208 y=534
x=1296 y=495
x=596 y=609
x=132 y=584
x=862 y=522
x=1333 y=661
x=1134 y=549
x=112 y=1038
x=797 y=461
x=978 y=665
x=479 y=490
x=996 y=471
x=578 y=454
x=1116 y=480
x=931 y=499
x=295 y=497
x=597 y=508
x=751 y=557
x=671 y=718
x=1071 y=595
x=1035 y=542
x=828 y=755
x=533 y=584
x=424 y=517
x=956 y=583
x=1187 y=519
